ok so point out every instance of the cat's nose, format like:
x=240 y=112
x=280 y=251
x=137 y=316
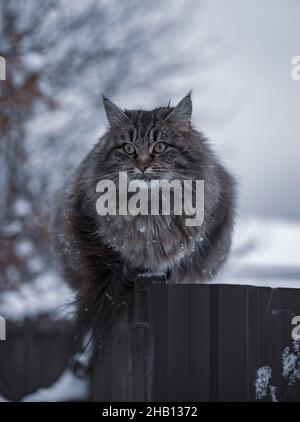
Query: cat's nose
x=143 y=167
x=143 y=162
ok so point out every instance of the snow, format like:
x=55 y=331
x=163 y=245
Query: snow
x=22 y=207
x=253 y=280
x=275 y=242
x=47 y=293
x=13 y=228
x=262 y=384
x=67 y=388
x=263 y=377
x=265 y=252
x=141 y=226
x=290 y=360
x=12 y=274
x=35 y=264
x=35 y=61
x=24 y=248
x=273 y=390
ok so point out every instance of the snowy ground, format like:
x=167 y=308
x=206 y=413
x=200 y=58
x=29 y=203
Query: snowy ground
x=45 y=294
x=67 y=388
x=265 y=253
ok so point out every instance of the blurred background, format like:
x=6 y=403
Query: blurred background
x=62 y=54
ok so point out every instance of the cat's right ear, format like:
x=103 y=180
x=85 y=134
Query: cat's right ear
x=181 y=114
x=115 y=116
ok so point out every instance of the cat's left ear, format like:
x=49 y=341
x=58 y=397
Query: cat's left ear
x=181 y=115
x=115 y=116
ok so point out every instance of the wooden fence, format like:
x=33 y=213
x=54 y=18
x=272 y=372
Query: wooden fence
x=184 y=343
x=33 y=355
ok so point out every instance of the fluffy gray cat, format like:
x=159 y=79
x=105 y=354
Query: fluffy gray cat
x=102 y=255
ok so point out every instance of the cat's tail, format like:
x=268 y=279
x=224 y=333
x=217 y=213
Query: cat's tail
x=100 y=307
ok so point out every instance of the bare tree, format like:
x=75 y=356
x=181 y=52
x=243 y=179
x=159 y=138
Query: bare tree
x=60 y=55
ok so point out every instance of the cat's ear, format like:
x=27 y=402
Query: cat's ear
x=181 y=115
x=115 y=116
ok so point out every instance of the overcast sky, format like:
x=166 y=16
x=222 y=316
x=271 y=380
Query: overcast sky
x=244 y=97
x=252 y=87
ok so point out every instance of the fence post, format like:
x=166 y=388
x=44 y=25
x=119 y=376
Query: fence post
x=143 y=343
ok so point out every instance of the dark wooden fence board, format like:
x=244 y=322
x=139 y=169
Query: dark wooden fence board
x=235 y=331
x=185 y=343
x=112 y=376
x=33 y=356
x=200 y=358
x=158 y=306
x=233 y=379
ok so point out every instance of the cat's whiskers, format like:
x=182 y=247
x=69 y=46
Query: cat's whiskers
x=181 y=177
x=109 y=176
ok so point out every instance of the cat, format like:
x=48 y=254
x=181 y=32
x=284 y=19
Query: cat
x=102 y=255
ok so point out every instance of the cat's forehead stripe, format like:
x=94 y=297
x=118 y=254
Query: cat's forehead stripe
x=147 y=125
x=144 y=124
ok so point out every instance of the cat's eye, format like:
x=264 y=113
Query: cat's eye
x=160 y=147
x=129 y=149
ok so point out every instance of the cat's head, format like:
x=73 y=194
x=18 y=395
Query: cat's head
x=151 y=144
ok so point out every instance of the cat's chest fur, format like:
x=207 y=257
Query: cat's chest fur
x=150 y=242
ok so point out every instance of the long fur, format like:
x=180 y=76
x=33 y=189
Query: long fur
x=101 y=256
